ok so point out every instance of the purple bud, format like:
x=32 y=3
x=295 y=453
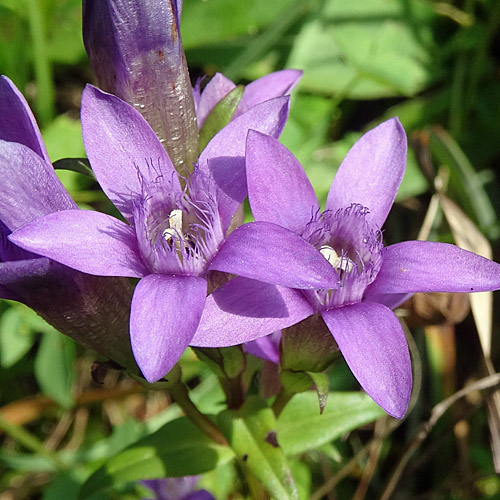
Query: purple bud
x=136 y=53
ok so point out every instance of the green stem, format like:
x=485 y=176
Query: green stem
x=43 y=68
x=180 y=394
x=30 y=442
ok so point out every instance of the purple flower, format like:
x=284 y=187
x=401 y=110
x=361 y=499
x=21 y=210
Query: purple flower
x=75 y=303
x=371 y=278
x=175 y=236
x=269 y=86
x=136 y=53
x=176 y=488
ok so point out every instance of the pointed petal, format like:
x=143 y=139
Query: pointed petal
x=216 y=89
x=424 y=266
x=160 y=329
x=123 y=149
x=30 y=187
x=90 y=242
x=267 y=347
x=268 y=87
x=374 y=346
x=224 y=155
x=244 y=309
x=17 y=123
x=372 y=172
x=278 y=188
x=273 y=254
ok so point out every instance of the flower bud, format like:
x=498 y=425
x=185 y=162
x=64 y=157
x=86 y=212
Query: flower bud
x=136 y=53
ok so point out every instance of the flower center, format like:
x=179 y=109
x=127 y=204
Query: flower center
x=178 y=232
x=354 y=249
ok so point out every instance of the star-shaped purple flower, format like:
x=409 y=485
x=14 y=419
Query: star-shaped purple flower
x=175 y=236
x=75 y=303
x=371 y=278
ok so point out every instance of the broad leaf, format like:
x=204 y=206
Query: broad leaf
x=251 y=432
x=16 y=336
x=301 y=427
x=366 y=49
x=55 y=367
x=177 y=449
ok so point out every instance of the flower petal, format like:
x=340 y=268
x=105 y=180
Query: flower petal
x=278 y=188
x=273 y=254
x=30 y=187
x=372 y=172
x=267 y=347
x=90 y=242
x=424 y=266
x=224 y=155
x=374 y=346
x=17 y=123
x=268 y=87
x=123 y=149
x=160 y=329
x=216 y=89
x=244 y=309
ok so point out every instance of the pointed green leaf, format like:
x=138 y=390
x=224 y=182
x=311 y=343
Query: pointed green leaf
x=322 y=384
x=221 y=115
x=177 y=449
x=301 y=427
x=251 y=432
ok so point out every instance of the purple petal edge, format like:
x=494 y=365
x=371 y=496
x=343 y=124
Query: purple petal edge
x=374 y=346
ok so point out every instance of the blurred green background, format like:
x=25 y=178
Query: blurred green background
x=435 y=65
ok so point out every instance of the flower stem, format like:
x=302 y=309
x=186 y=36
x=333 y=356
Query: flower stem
x=233 y=389
x=180 y=395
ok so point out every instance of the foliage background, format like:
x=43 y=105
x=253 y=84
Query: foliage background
x=435 y=64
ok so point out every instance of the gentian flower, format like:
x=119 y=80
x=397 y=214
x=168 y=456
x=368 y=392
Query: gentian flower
x=136 y=53
x=175 y=237
x=267 y=87
x=75 y=303
x=371 y=278
x=176 y=488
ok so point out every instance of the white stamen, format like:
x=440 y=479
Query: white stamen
x=343 y=263
x=174 y=225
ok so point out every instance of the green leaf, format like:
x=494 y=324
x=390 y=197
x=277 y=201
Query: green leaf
x=463 y=178
x=16 y=336
x=55 y=367
x=366 y=49
x=301 y=427
x=63 y=138
x=80 y=165
x=251 y=432
x=177 y=449
x=221 y=115
x=227 y=19
x=322 y=384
